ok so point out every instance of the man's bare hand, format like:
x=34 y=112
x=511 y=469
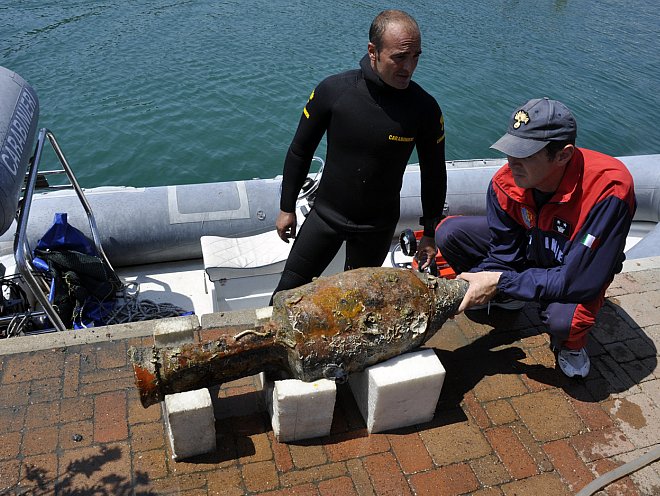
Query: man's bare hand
x=286 y=225
x=482 y=289
x=426 y=251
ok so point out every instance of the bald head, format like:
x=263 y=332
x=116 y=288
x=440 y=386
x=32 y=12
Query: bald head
x=394 y=47
x=387 y=17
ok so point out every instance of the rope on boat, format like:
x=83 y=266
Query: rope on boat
x=130 y=308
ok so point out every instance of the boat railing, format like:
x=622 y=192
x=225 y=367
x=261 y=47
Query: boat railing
x=22 y=251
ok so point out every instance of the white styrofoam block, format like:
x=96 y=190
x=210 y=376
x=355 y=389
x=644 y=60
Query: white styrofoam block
x=264 y=314
x=300 y=410
x=261 y=381
x=190 y=423
x=401 y=391
x=173 y=332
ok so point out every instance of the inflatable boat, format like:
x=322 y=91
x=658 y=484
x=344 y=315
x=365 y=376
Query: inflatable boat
x=206 y=247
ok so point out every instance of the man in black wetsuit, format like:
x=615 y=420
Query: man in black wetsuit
x=374 y=117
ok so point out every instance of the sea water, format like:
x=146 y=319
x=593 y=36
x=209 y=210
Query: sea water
x=158 y=92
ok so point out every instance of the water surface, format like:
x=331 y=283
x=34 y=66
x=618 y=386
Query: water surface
x=157 y=92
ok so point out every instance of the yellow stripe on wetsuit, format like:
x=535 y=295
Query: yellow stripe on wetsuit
x=311 y=97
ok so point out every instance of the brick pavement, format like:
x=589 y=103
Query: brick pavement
x=507 y=423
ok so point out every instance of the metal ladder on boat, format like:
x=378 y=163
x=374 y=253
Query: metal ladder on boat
x=22 y=251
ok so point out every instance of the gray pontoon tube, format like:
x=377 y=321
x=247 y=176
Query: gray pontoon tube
x=19 y=115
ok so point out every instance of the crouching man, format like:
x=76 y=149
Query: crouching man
x=555 y=230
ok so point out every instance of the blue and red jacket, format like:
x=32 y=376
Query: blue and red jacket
x=570 y=248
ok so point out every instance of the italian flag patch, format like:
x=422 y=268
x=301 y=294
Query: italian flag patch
x=590 y=241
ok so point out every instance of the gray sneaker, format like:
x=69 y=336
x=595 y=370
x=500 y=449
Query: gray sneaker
x=574 y=362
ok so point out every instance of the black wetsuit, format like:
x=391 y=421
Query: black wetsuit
x=372 y=129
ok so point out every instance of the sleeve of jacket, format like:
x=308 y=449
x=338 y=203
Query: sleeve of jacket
x=433 y=170
x=508 y=239
x=311 y=127
x=591 y=259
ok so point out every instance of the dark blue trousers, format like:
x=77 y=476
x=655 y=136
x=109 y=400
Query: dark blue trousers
x=464 y=242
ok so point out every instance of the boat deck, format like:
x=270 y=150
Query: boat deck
x=182 y=283
x=506 y=423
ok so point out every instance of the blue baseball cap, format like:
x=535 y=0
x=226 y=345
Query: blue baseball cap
x=534 y=125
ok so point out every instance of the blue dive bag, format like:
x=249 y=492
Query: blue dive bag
x=83 y=287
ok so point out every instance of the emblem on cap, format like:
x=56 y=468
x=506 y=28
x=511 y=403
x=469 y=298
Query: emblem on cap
x=521 y=117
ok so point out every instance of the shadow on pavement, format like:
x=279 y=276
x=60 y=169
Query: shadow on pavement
x=622 y=355
x=85 y=476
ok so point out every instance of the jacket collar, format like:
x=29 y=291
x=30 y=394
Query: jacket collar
x=567 y=187
x=572 y=178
